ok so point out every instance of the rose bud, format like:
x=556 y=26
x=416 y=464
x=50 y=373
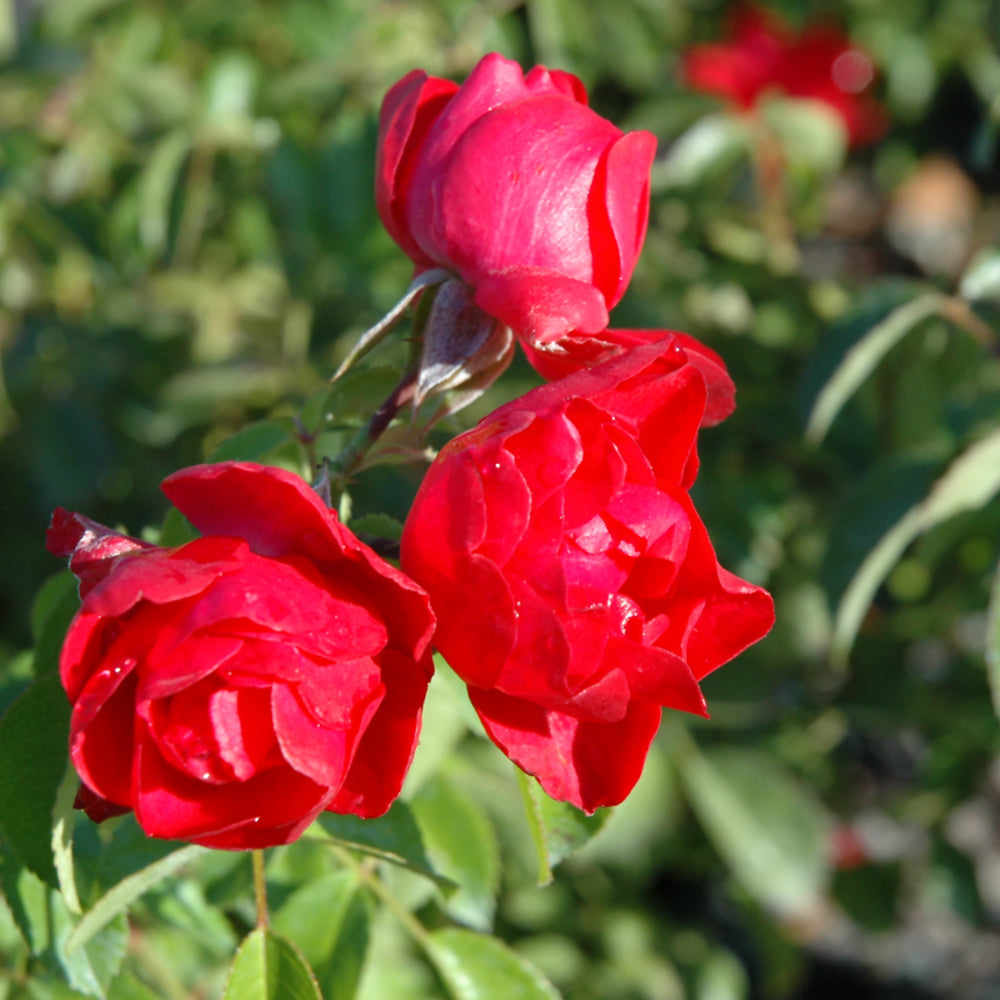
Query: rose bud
x=515 y=185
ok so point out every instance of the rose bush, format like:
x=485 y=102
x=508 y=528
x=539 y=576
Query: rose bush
x=576 y=588
x=515 y=185
x=232 y=688
x=764 y=56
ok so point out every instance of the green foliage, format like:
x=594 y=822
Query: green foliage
x=33 y=736
x=268 y=967
x=51 y=614
x=462 y=846
x=336 y=946
x=481 y=968
x=188 y=250
x=766 y=826
x=117 y=900
x=394 y=837
x=557 y=828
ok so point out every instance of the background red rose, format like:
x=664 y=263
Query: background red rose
x=515 y=184
x=763 y=55
x=231 y=689
x=576 y=589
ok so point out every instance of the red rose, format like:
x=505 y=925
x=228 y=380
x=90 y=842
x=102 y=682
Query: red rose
x=231 y=689
x=571 y=354
x=764 y=56
x=576 y=589
x=513 y=183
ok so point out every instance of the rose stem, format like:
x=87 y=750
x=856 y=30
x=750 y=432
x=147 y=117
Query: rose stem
x=364 y=874
x=350 y=459
x=260 y=887
x=769 y=169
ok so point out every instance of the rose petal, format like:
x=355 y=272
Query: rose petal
x=91 y=548
x=383 y=755
x=541 y=305
x=540 y=80
x=341 y=694
x=410 y=108
x=166 y=575
x=100 y=743
x=273 y=807
x=324 y=616
x=619 y=211
x=590 y=764
x=187 y=664
x=496 y=188
x=239 y=499
x=314 y=750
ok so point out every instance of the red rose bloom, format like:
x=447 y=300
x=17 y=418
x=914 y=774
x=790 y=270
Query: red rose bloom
x=231 y=689
x=514 y=184
x=576 y=589
x=764 y=56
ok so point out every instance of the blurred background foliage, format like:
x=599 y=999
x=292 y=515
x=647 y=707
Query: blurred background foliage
x=189 y=244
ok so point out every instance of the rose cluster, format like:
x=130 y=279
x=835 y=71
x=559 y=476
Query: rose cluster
x=230 y=689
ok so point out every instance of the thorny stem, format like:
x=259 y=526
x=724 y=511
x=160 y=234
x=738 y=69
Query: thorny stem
x=960 y=313
x=307 y=439
x=350 y=459
x=260 y=887
x=769 y=170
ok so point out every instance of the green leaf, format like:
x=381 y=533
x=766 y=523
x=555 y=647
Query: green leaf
x=267 y=967
x=177 y=530
x=25 y=895
x=34 y=734
x=713 y=144
x=810 y=133
x=863 y=358
x=380 y=525
x=969 y=483
x=335 y=946
x=127 y=987
x=63 y=820
x=981 y=280
x=117 y=900
x=252 y=442
x=356 y=393
x=557 y=828
x=475 y=967
x=46 y=924
x=993 y=642
x=767 y=827
x=89 y=969
x=156 y=188
x=462 y=846
x=101 y=863
x=51 y=613
x=394 y=837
